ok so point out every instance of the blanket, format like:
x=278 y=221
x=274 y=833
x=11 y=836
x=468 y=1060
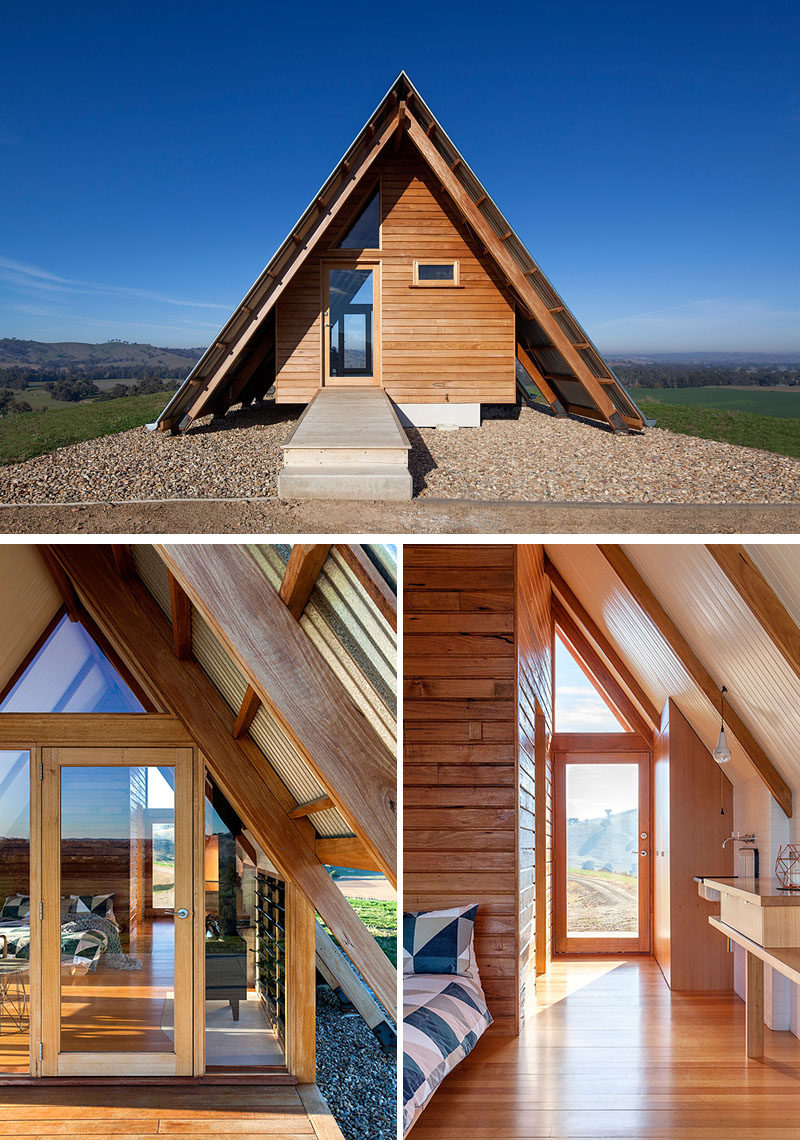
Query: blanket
x=443 y=1017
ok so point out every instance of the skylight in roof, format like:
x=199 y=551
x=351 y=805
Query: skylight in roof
x=70 y=674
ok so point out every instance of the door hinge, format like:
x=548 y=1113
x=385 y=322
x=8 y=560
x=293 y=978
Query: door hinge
x=41 y=1051
x=41 y=910
x=41 y=769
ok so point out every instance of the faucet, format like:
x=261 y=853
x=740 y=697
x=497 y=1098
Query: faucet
x=739 y=838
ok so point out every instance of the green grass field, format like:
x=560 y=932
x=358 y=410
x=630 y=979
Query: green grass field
x=748 y=429
x=380 y=918
x=782 y=403
x=33 y=433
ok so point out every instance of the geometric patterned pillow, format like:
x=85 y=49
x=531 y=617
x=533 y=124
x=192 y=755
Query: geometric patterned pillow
x=102 y=905
x=440 y=941
x=16 y=906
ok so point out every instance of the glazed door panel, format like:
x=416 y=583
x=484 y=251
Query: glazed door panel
x=117 y=912
x=602 y=853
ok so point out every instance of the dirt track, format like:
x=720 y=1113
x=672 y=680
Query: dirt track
x=421 y=516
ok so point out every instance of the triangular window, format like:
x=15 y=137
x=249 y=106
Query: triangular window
x=365 y=232
x=580 y=706
x=70 y=673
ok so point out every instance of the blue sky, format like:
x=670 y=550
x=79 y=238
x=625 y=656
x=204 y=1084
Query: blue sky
x=154 y=156
x=578 y=705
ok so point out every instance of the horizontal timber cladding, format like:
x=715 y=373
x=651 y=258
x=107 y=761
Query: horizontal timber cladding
x=460 y=773
x=455 y=344
x=534 y=728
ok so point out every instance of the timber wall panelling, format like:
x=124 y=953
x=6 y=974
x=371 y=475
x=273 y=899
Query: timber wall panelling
x=460 y=798
x=534 y=724
x=689 y=790
x=456 y=343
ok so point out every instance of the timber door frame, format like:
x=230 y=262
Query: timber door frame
x=366 y=261
x=602 y=748
x=179 y=1062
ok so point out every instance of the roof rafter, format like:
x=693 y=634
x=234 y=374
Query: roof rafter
x=126 y=612
x=652 y=607
x=599 y=672
x=295 y=682
x=592 y=630
x=279 y=279
x=300 y=576
x=531 y=302
x=759 y=597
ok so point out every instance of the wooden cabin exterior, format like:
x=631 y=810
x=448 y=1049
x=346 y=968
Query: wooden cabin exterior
x=657 y=629
x=403 y=275
x=189 y=737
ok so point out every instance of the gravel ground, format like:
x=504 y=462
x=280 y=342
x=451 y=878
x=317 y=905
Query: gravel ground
x=358 y=1080
x=518 y=454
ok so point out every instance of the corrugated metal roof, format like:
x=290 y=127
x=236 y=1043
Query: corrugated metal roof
x=209 y=653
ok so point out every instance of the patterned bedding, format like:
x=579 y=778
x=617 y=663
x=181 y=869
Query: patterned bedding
x=83 y=946
x=443 y=1017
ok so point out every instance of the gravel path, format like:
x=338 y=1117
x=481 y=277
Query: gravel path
x=518 y=454
x=358 y=1080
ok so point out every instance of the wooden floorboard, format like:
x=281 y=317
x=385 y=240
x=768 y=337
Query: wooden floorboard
x=607 y=1053
x=141 y=1111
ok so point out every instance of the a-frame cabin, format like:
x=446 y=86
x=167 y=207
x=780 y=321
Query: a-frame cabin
x=402 y=276
x=190 y=736
x=613 y=977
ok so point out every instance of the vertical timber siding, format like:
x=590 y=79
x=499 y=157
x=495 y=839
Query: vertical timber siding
x=439 y=345
x=534 y=701
x=460 y=798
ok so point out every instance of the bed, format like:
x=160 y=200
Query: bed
x=444 y=1012
x=87 y=934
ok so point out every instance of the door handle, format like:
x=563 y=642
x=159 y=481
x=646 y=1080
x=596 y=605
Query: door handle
x=182 y=913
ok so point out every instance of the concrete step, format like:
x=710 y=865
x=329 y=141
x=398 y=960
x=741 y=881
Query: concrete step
x=378 y=481
x=348 y=444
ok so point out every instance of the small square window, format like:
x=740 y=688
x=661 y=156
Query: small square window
x=436 y=273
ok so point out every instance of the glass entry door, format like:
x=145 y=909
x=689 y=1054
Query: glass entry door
x=117 y=913
x=602 y=852
x=351 y=347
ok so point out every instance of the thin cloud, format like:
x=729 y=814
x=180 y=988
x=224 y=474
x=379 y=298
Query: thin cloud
x=17 y=273
x=670 y=309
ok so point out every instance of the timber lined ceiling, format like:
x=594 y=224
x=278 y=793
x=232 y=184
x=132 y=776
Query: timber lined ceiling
x=719 y=626
x=30 y=601
x=342 y=655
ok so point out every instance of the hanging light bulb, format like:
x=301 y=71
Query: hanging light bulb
x=722 y=752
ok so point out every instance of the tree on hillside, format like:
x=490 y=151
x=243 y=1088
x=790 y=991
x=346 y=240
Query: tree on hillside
x=10 y=405
x=72 y=388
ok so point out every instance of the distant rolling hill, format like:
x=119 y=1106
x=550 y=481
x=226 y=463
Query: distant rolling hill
x=606 y=843
x=77 y=355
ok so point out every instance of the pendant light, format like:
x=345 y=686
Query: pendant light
x=722 y=752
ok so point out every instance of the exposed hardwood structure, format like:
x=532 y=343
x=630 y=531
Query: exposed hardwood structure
x=689 y=791
x=455 y=342
x=599 y=673
x=739 y=568
x=348 y=758
x=603 y=646
x=460 y=795
x=534 y=724
x=648 y=601
x=144 y=637
x=302 y=570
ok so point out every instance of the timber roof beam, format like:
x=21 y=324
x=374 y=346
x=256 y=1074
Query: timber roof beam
x=652 y=607
x=127 y=613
